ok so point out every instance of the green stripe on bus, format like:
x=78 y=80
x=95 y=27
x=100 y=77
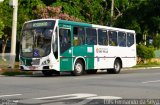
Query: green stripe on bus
x=87 y=51
x=26 y=61
x=67 y=23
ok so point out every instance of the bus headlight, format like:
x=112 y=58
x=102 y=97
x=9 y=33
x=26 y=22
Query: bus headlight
x=46 y=62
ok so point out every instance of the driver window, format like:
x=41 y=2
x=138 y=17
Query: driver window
x=55 y=45
x=48 y=33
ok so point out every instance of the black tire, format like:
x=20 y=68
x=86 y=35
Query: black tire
x=117 y=67
x=78 y=68
x=91 y=71
x=47 y=72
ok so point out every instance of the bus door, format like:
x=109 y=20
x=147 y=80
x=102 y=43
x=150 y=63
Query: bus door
x=65 y=49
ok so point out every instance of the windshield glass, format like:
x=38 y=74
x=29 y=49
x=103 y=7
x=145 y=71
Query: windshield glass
x=36 y=39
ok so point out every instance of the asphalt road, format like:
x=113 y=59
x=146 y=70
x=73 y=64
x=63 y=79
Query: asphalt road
x=80 y=90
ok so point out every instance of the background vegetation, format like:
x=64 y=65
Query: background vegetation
x=140 y=15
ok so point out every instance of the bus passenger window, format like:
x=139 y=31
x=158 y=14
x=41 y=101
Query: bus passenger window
x=79 y=36
x=112 y=38
x=102 y=37
x=65 y=39
x=121 y=39
x=130 y=39
x=91 y=36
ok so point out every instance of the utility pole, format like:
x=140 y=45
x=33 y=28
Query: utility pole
x=13 y=3
x=112 y=11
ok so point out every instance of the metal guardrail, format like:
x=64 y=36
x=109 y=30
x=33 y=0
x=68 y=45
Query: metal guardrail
x=7 y=60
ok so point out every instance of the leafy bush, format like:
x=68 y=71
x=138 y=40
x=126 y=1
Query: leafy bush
x=145 y=52
x=156 y=42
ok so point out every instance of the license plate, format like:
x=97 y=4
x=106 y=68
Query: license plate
x=32 y=68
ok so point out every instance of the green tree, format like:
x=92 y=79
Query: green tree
x=1 y=28
x=91 y=11
x=48 y=2
x=156 y=41
x=53 y=12
x=25 y=12
x=143 y=17
x=5 y=23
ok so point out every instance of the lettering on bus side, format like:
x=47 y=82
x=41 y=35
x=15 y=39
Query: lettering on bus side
x=102 y=50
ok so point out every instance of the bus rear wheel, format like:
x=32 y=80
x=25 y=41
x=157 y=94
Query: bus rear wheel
x=117 y=67
x=78 y=68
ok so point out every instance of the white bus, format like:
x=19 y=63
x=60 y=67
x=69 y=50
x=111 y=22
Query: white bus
x=54 y=46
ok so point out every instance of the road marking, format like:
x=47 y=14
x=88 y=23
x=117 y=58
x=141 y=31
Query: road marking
x=15 y=101
x=10 y=95
x=98 y=97
x=151 y=81
x=105 y=97
x=78 y=96
x=60 y=99
x=69 y=96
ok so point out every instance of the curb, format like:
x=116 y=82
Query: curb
x=138 y=68
x=2 y=75
x=141 y=68
x=123 y=69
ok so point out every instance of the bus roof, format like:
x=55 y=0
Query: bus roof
x=113 y=28
x=40 y=20
x=85 y=24
x=94 y=25
x=76 y=23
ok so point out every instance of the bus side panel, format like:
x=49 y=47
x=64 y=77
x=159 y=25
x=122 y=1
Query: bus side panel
x=66 y=61
x=102 y=58
x=130 y=59
x=86 y=51
x=90 y=63
x=90 y=56
x=65 y=36
x=80 y=52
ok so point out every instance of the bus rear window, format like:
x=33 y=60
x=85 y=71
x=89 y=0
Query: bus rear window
x=130 y=39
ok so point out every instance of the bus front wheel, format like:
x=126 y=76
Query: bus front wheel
x=78 y=68
x=117 y=67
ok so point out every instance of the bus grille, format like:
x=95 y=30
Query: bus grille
x=35 y=62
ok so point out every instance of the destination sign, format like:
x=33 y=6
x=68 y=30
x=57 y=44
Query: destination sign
x=39 y=24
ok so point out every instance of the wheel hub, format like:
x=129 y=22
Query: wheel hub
x=117 y=67
x=79 y=68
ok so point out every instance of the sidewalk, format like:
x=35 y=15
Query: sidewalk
x=141 y=68
x=138 y=68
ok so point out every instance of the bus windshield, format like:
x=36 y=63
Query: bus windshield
x=36 y=39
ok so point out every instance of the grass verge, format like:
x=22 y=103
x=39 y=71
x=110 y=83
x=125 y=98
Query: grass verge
x=15 y=72
x=4 y=70
x=149 y=64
